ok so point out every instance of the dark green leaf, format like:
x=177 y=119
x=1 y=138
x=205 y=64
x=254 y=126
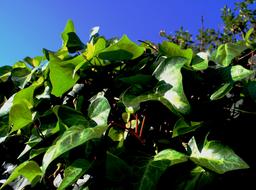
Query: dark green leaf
x=158 y=165
x=124 y=49
x=73 y=172
x=69 y=28
x=72 y=137
x=198 y=63
x=252 y=89
x=69 y=116
x=182 y=127
x=74 y=43
x=5 y=72
x=28 y=169
x=216 y=157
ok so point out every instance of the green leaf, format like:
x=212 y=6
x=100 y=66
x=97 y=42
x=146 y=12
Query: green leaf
x=5 y=72
x=28 y=169
x=74 y=43
x=61 y=75
x=222 y=91
x=238 y=72
x=20 y=116
x=117 y=170
x=69 y=28
x=217 y=157
x=169 y=71
x=36 y=152
x=72 y=137
x=73 y=172
x=69 y=116
x=99 y=109
x=182 y=127
x=170 y=49
x=6 y=107
x=227 y=52
x=251 y=87
x=198 y=178
x=34 y=62
x=124 y=49
x=158 y=165
x=198 y=63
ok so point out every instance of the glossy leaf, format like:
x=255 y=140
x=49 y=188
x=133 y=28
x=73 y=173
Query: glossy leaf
x=99 y=109
x=216 y=157
x=169 y=71
x=28 y=169
x=170 y=49
x=158 y=165
x=227 y=52
x=5 y=72
x=182 y=127
x=73 y=172
x=72 y=137
x=222 y=91
x=74 y=43
x=124 y=49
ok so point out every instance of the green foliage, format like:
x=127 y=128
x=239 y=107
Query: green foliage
x=126 y=115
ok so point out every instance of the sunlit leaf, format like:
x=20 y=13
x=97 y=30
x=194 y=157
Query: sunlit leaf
x=198 y=63
x=6 y=107
x=61 y=76
x=73 y=172
x=28 y=169
x=227 y=52
x=170 y=49
x=99 y=109
x=238 y=72
x=217 y=157
x=158 y=165
x=124 y=49
x=71 y=138
x=69 y=28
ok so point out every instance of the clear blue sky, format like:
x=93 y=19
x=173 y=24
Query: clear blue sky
x=27 y=26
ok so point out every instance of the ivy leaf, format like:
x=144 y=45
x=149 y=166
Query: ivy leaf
x=73 y=172
x=227 y=52
x=238 y=72
x=216 y=157
x=61 y=75
x=28 y=169
x=68 y=28
x=71 y=138
x=158 y=165
x=74 y=43
x=124 y=49
x=6 y=107
x=69 y=116
x=170 y=49
x=222 y=91
x=169 y=71
x=182 y=127
x=99 y=109
x=5 y=72
x=200 y=61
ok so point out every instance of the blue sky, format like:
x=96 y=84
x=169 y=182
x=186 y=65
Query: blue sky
x=27 y=26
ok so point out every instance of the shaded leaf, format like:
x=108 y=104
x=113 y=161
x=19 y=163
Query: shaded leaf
x=73 y=172
x=68 y=28
x=182 y=127
x=158 y=165
x=72 y=137
x=222 y=91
